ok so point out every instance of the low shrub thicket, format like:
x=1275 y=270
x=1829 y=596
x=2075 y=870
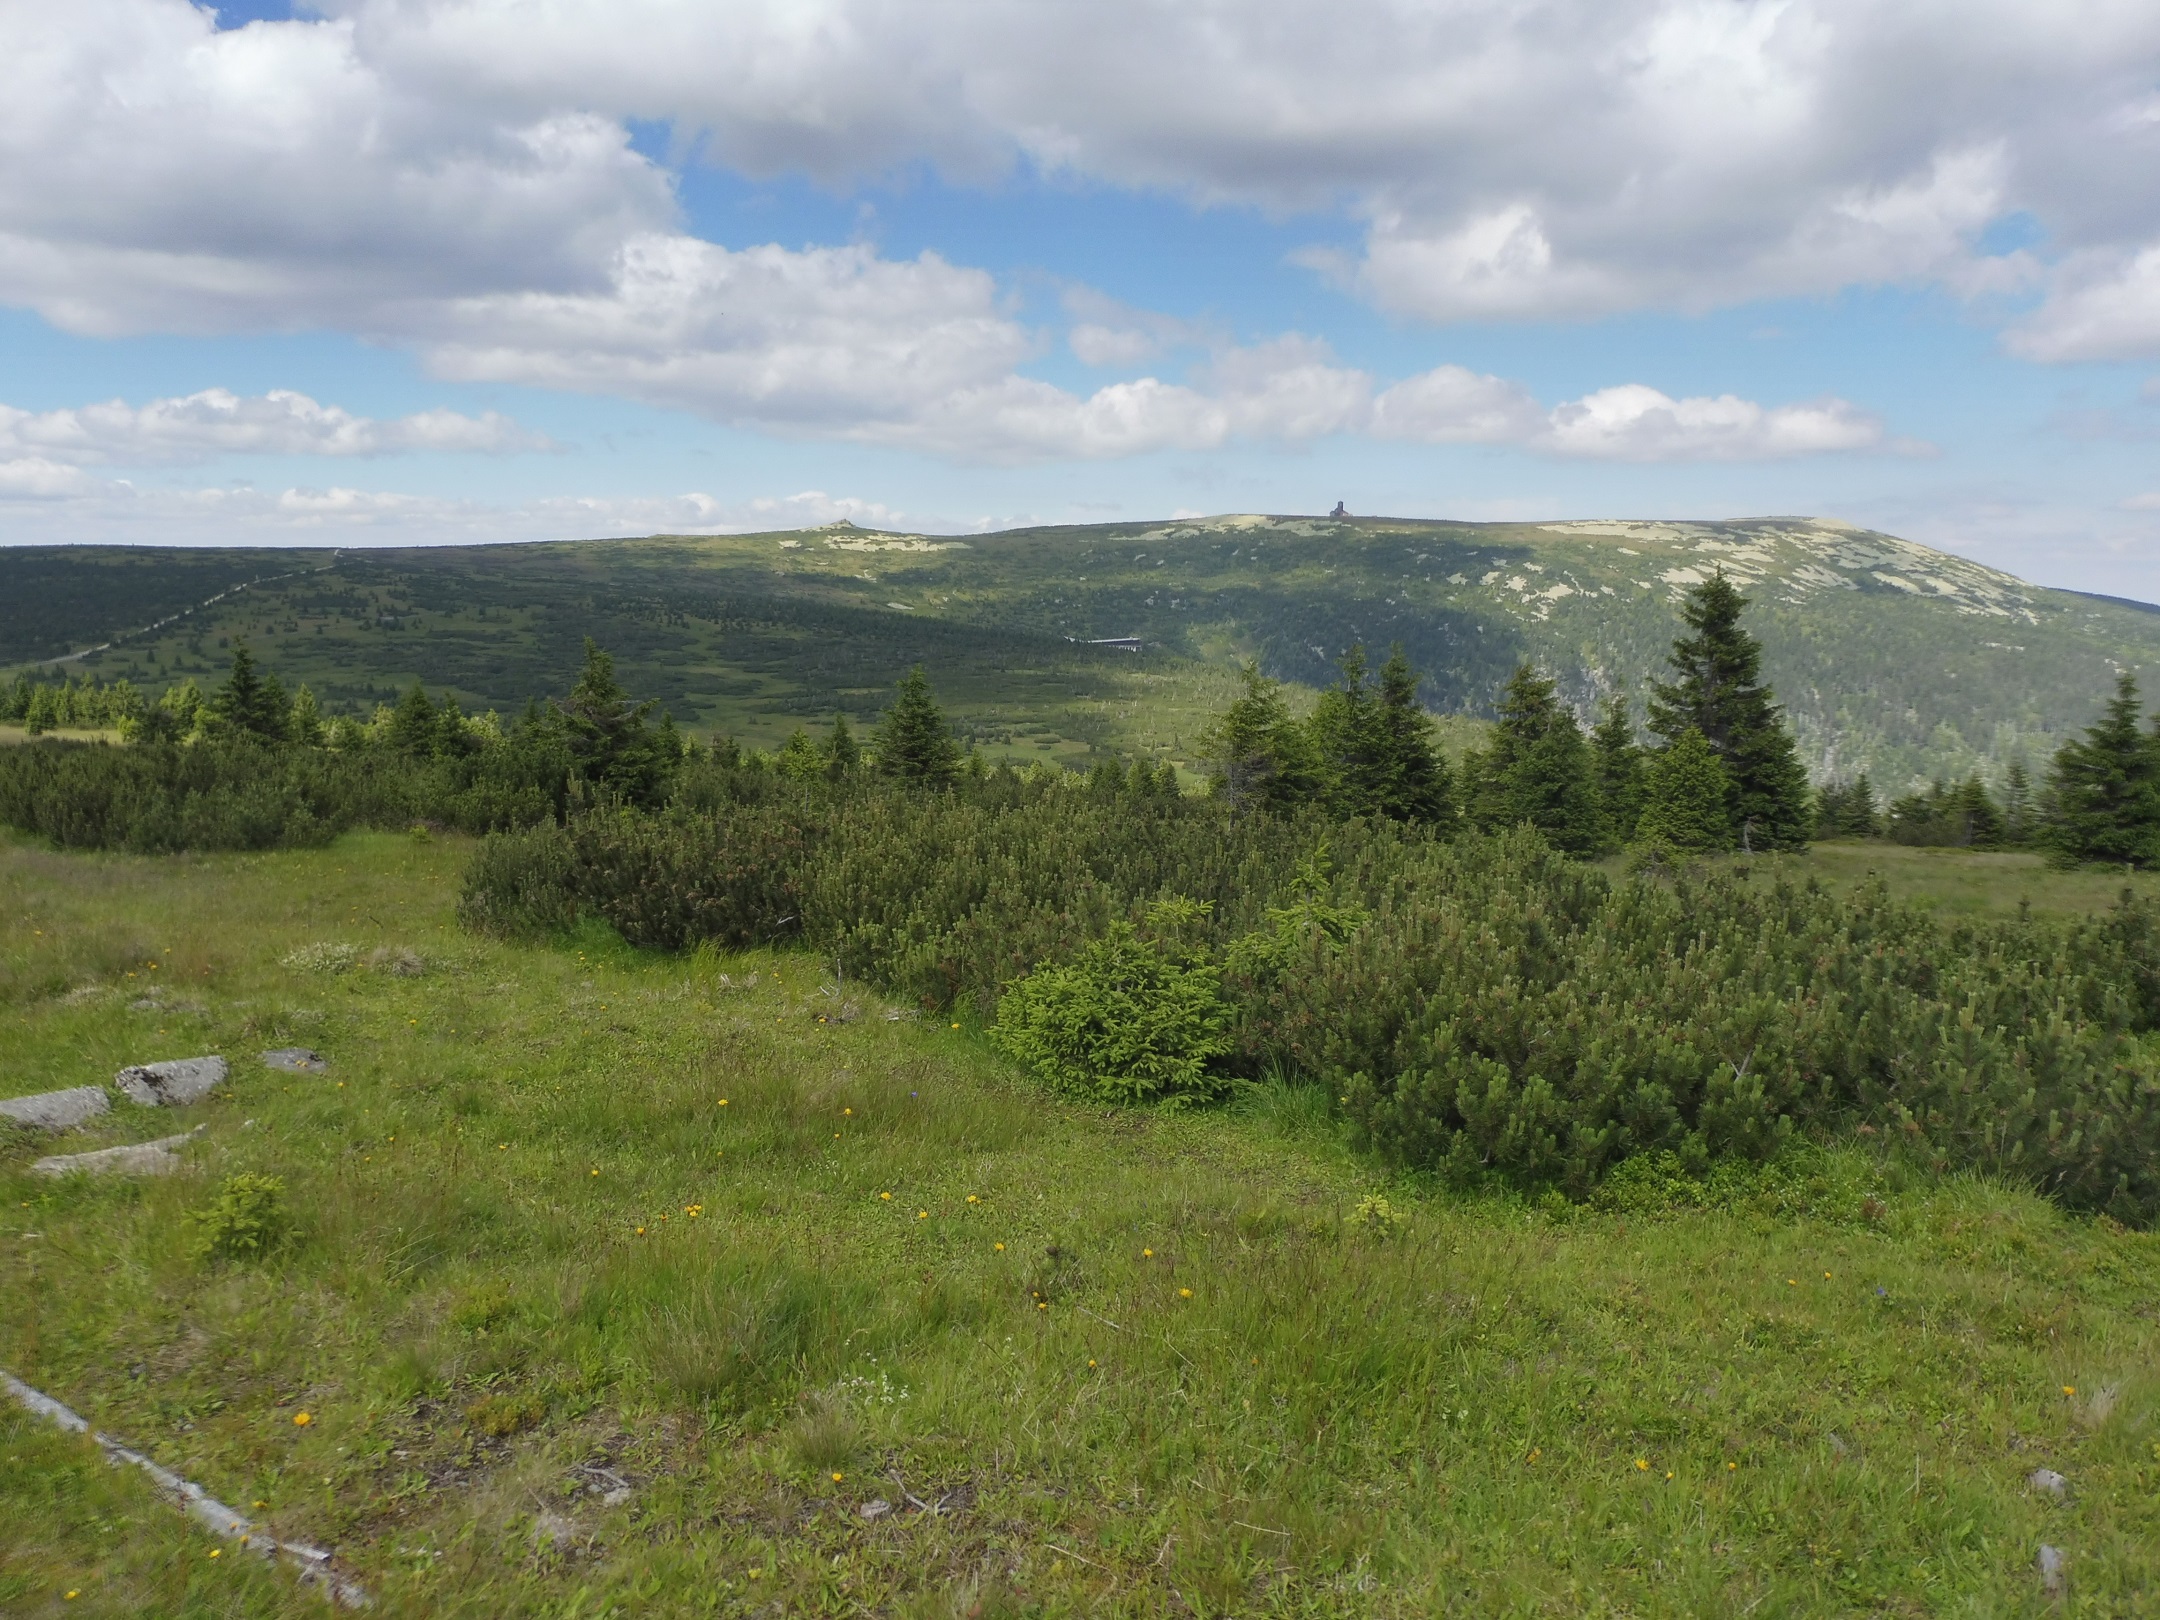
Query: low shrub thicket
x=1484 y=1007
x=240 y=794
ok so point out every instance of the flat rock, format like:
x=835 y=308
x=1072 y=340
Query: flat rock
x=2053 y=1576
x=173 y=1082
x=2046 y=1479
x=136 y=1159
x=57 y=1110
x=296 y=1060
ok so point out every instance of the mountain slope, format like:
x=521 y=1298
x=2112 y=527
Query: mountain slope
x=1891 y=657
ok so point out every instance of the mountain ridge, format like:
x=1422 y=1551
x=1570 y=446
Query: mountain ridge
x=1891 y=656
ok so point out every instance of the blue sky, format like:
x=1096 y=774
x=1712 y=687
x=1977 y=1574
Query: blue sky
x=411 y=271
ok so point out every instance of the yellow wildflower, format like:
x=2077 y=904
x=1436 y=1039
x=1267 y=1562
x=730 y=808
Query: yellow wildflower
x=1644 y=1466
x=302 y=1419
x=1184 y=1293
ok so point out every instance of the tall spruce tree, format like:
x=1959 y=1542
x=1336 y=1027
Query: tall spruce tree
x=1347 y=741
x=843 y=757
x=2105 y=788
x=250 y=704
x=1717 y=689
x=1687 y=802
x=1619 y=764
x=2018 y=807
x=1416 y=783
x=1263 y=759
x=304 y=721
x=613 y=744
x=1537 y=770
x=1977 y=821
x=415 y=728
x=913 y=742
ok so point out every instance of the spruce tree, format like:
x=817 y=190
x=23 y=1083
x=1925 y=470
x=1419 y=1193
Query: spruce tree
x=613 y=746
x=1687 y=799
x=250 y=704
x=799 y=759
x=304 y=723
x=2105 y=787
x=1415 y=779
x=1847 y=810
x=1262 y=758
x=2018 y=807
x=414 y=729
x=1978 y=824
x=1538 y=770
x=1717 y=689
x=843 y=758
x=1619 y=761
x=913 y=742
x=1346 y=741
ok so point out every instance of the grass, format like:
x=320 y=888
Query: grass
x=1140 y=1364
x=1961 y=883
x=10 y=735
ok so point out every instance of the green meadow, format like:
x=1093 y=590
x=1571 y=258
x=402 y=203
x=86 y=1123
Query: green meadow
x=629 y=1284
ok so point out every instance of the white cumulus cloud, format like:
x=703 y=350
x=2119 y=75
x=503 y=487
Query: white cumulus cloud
x=1636 y=423
x=2100 y=307
x=216 y=422
x=1565 y=158
x=812 y=339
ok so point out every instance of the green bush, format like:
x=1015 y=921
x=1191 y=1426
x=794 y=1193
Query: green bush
x=248 y=1221
x=1127 y=1020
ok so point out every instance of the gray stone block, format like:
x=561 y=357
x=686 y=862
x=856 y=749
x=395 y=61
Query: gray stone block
x=296 y=1060
x=172 y=1083
x=136 y=1159
x=56 y=1110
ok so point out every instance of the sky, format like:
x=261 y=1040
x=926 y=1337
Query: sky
x=423 y=271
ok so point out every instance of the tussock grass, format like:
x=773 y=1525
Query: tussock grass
x=1140 y=1364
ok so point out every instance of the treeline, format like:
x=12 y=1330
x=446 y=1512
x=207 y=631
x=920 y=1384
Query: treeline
x=249 y=766
x=2100 y=801
x=1722 y=772
x=70 y=704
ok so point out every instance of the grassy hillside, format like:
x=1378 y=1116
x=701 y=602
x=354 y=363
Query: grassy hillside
x=723 y=1233
x=1891 y=657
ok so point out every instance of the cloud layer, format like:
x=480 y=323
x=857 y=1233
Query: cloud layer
x=1570 y=158
x=217 y=422
x=457 y=178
